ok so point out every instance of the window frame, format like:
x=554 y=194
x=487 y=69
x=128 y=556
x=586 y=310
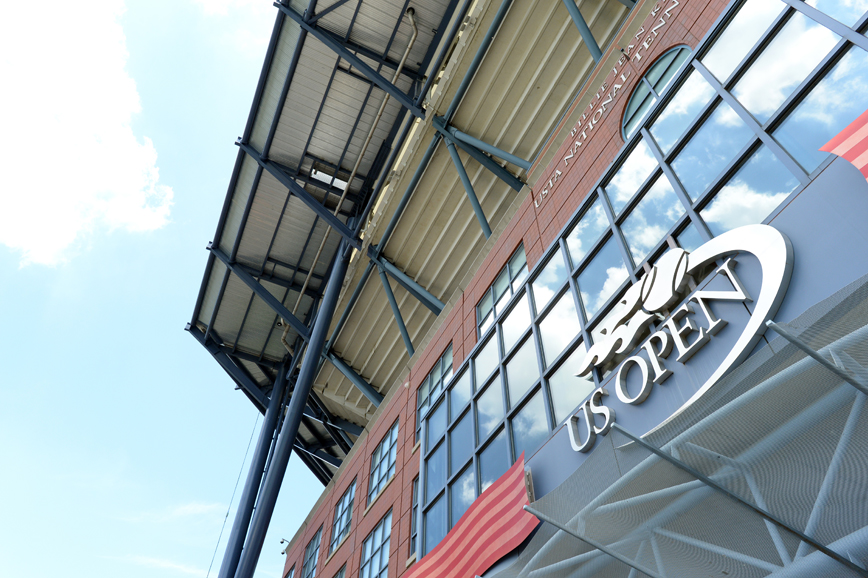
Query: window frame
x=338 y=535
x=390 y=437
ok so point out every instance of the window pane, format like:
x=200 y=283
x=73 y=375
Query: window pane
x=830 y=106
x=486 y=360
x=740 y=35
x=591 y=226
x=435 y=472
x=446 y=360
x=630 y=176
x=494 y=460
x=567 y=390
x=847 y=12
x=463 y=493
x=786 y=61
x=522 y=371
x=640 y=102
x=501 y=285
x=759 y=186
x=693 y=95
x=460 y=394
x=485 y=305
x=689 y=239
x=489 y=408
x=559 y=327
x=549 y=281
x=518 y=266
x=664 y=71
x=486 y=323
x=515 y=324
x=602 y=277
x=652 y=218
x=461 y=443
x=436 y=425
x=716 y=142
x=435 y=525
x=530 y=426
x=501 y=303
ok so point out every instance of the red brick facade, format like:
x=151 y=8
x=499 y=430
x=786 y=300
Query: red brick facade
x=537 y=227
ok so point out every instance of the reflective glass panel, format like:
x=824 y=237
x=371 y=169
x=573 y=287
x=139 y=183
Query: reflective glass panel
x=709 y=150
x=460 y=394
x=501 y=284
x=568 y=390
x=435 y=472
x=662 y=73
x=652 y=218
x=691 y=97
x=489 y=408
x=636 y=168
x=435 y=525
x=486 y=323
x=436 y=425
x=447 y=364
x=844 y=11
x=549 y=281
x=589 y=228
x=602 y=277
x=530 y=426
x=786 y=61
x=640 y=102
x=518 y=268
x=461 y=443
x=835 y=102
x=501 y=303
x=463 y=493
x=522 y=371
x=494 y=460
x=559 y=327
x=756 y=189
x=515 y=324
x=486 y=360
x=485 y=305
x=740 y=35
x=689 y=239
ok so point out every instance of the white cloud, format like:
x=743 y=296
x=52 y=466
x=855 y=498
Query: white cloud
x=738 y=204
x=70 y=161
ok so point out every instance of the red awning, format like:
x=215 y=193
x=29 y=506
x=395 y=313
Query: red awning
x=852 y=144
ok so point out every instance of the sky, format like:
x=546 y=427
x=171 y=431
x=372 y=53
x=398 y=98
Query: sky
x=121 y=439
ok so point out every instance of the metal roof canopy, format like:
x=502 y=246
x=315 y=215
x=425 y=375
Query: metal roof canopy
x=322 y=83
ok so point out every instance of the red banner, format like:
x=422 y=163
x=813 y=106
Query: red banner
x=852 y=144
x=494 y=525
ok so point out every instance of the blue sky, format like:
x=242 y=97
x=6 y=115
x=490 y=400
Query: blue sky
x=120 y=438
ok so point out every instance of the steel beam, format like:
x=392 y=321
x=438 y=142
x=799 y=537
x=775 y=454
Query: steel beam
x=342 y=424
x=411 y=285
x=325 y=11
x=490 y=149
x=479 y=156
x=468 y=187
x=319 y=454
x=289 y=430
x=396 y=312
x=254 y=477
x=580 y=23
x=271 y=278
x=263 y=293
x=366 y=388
x=317 y=207
x=342 y=50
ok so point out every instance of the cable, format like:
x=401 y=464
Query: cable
x=232 y=499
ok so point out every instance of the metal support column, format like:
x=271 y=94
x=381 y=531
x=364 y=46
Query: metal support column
x=468 y=187
x=580 y=23
x=288 y=432
x=254 y=478
x=396 y=312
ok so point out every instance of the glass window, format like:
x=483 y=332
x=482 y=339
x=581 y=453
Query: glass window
x=375 y=550
x=530 y=426
x=461 y=443
x=383 y=462
x=799 y=46
x=566 y=388
x=462 y=493
x=460 y=394
x=559 y=327
x=650 y=221
x=685 y=106
x=522 y=370
x=689 y=239
x=343 y=517
x=835 y=102
x=501 y=291
x=342 y=573
x=756 y=189
x=430 y=389
x=549 y=281
x=436 y=425
x=601 y=278
x=846 y=12
x=730 y=48
x=435 y=472
x=486 y=359
x=489 y=408
x=516 y=323
x=586 y=232
x=414 y=516
x=717 y=141
x=311 y=554
x=494 y=460
x=632 y=174
x=435 y=524
x=517 y=268
x=652 y=86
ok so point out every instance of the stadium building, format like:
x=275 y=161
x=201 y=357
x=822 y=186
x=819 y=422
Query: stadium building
x=546 y=288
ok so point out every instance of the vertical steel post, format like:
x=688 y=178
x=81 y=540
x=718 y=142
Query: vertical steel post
x=471 y=194
x=580 y=23
x=289 y=430
x=254 y=478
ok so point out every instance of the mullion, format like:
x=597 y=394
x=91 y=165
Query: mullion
x=728 y=172
x=616 y=230
x=829 y=23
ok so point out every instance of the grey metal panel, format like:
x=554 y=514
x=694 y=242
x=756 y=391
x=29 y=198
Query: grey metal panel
x=377 y=19
x=215 y=281
x=243 y=188
x=262 y=221
x=231 y=309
